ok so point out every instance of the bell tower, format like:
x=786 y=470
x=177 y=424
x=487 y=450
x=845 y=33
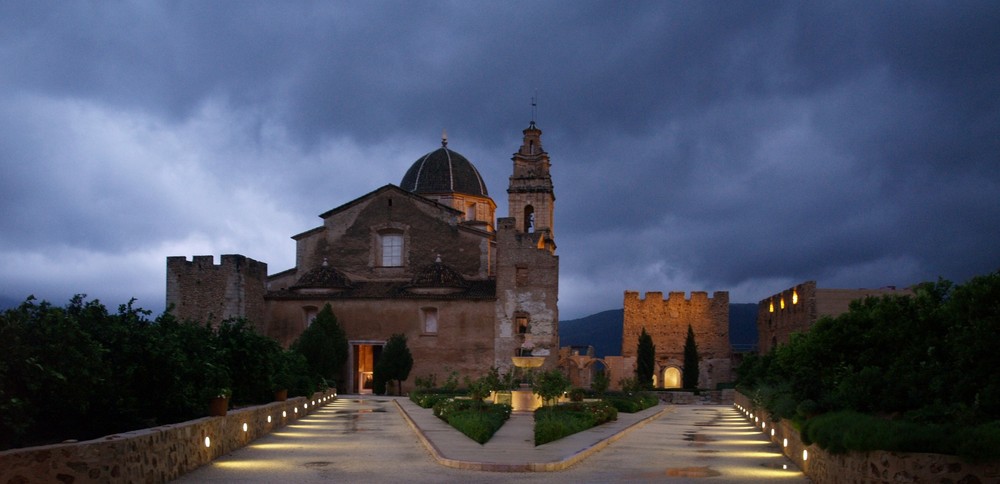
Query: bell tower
x=530 y=197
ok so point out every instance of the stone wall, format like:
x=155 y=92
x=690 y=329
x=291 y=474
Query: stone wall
x=158 y=454
x=667 y=320
x=875 y=466
x=200 y=290
x=795 y=309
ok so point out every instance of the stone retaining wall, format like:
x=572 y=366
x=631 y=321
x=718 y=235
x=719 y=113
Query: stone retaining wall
x=874 y=467
x=157 y=454
x=686 y=398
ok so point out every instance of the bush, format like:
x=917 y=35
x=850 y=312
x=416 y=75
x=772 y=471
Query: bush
x=477 y=420
x=556 y=422
x=631 y=403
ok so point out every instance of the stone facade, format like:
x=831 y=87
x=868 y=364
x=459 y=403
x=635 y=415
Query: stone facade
x=667 y=320
x=424 y=260
x=201 y=290
x=157 y=454
x=795 y=309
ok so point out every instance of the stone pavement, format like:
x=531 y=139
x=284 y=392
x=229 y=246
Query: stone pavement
x=382 y=439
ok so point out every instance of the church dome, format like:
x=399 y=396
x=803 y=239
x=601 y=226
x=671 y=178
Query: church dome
x=444 y=171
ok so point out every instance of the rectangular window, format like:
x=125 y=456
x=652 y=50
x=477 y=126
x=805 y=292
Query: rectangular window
x=522 y=324
x=392 y=250
x=430 y=320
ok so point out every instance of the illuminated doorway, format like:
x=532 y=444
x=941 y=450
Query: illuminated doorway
x=364 y=356
x=672 y=377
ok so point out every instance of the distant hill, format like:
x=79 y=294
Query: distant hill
x=603 y=330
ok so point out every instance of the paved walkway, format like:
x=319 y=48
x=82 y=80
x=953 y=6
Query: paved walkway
x=381 y=439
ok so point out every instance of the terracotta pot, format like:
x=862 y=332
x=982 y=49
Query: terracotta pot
x=218 y=406
x=280 y=395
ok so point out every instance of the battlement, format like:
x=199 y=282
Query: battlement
x=675 y=297
x=235 y=262
x=201 y=290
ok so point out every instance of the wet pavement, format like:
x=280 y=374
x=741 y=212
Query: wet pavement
x=358 y=439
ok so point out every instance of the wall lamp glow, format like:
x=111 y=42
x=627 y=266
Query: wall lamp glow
x=245 y=426
x=805 y=455
x=268 y=419
x=296 y=409
x=784 y=443
x=208 y=441
x=284 y=414
x=772 y=431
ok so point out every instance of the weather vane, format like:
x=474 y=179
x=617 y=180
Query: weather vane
x=534 y=106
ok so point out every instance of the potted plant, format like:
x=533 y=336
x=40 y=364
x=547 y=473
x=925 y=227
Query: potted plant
x=217 y=389
x=281 y=380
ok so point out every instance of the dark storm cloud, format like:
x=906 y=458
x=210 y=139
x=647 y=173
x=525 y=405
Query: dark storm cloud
x=695 y=145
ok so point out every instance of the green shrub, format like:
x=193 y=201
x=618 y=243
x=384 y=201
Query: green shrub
x=555 y=422
x=477 y=420
x=631 y=403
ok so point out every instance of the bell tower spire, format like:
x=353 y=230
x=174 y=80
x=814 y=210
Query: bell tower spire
x=531 y=199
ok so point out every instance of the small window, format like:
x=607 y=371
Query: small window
x=392 y=250
x=470 y=212
x=529 y=219
x=430 y=320
x=522 y=324
x=310 y=315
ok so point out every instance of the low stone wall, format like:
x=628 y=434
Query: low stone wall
x=157 y=454
x=876 y=466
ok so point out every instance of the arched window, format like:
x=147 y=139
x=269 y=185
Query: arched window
x=310 y=314
x=529 y=219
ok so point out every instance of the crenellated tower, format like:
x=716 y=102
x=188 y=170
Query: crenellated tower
x=530 y=197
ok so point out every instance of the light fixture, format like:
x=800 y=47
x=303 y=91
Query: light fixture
x=784 y=443
x=782 y=303
x=805 y=455
x=772 y=431
x=268 y=419
x=284 y=414
x=208 y=441
x=795 y=296
x=296 y=409
x=244 y=426
x=763 y=425
x=770 y=307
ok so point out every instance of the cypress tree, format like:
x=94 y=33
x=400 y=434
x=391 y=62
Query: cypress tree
x=395 y=363
x=645 y=360
x=690 y=378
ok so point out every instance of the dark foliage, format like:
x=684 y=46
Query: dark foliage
x=690 y=378
x=324 y=345
x=81 y=372
x=395 y=363
x=927 y=359
x=645 y=360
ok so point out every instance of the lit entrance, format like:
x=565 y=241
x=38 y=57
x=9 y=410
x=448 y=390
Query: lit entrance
x=363 y=356
x=671 y=377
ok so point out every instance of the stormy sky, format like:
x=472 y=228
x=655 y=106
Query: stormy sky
x=739 y=146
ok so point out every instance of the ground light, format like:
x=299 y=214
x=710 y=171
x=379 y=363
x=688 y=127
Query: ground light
x=208 y=441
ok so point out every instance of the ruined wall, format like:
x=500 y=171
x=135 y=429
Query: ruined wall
x=667 y=320
x=157 y=454
x=527 y=285
x=795 y=309
x=200 y=290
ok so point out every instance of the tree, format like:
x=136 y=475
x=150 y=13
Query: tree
x=324 y=345
x=645 y=360
x=550 y=385
x=690 y=378
x=395 y=363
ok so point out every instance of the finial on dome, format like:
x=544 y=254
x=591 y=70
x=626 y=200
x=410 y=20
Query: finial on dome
x=437 y=260
x=444 y=138
x=325 y=263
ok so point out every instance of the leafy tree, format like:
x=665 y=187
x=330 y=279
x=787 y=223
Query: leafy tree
x=550 y=385
x=690 y=377
x=601 y=381
x=324 y=345
x=394 y=363
x=645 y=360
x=252 y=360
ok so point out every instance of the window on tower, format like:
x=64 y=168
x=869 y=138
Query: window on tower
x=529 y=219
